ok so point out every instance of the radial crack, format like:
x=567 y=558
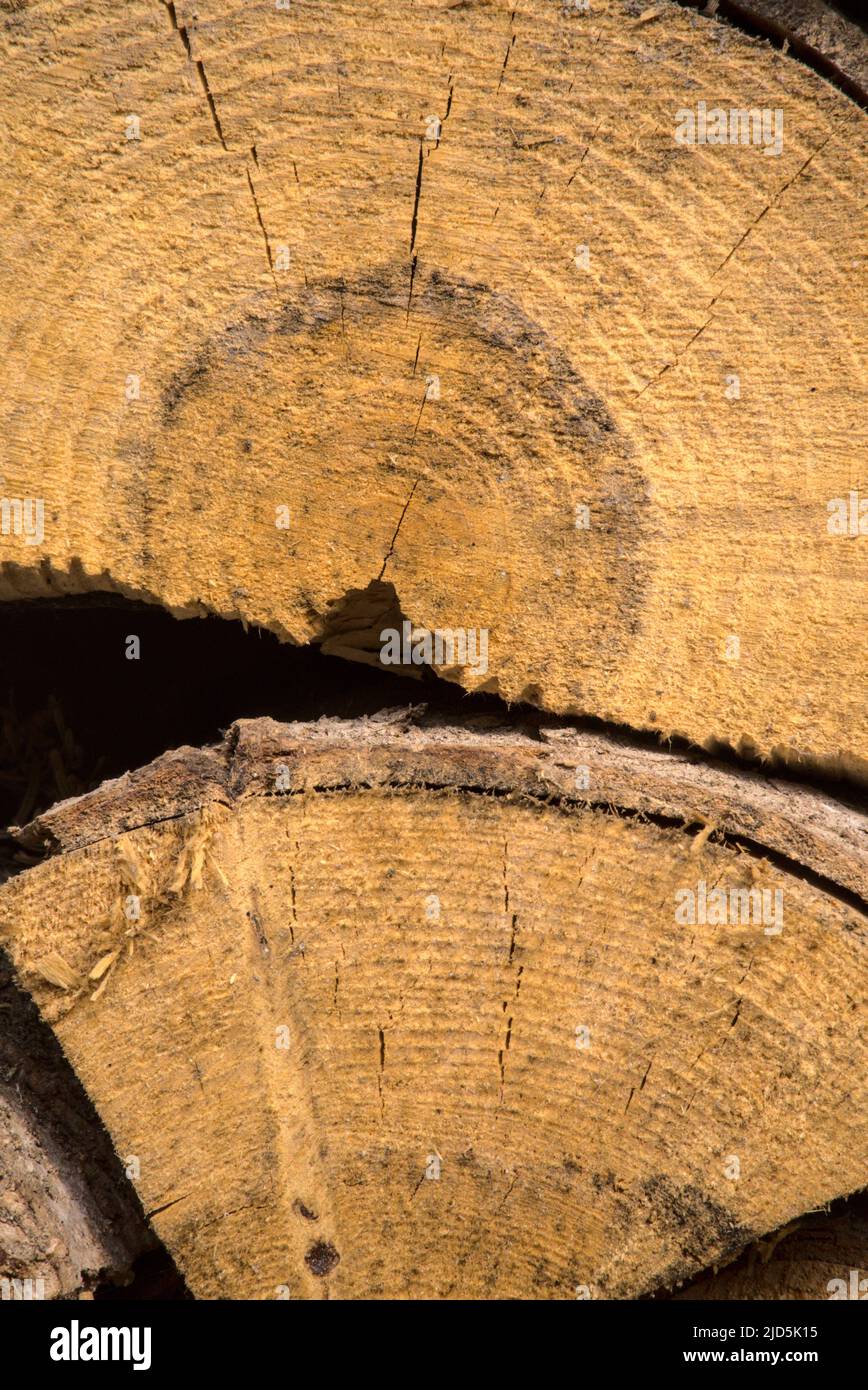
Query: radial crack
x=391 y=549
x=262 y=227
x=184 y=34
x=678 y=356
x=774 y=202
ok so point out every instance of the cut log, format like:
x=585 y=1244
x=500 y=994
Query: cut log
x=301 y=300
x=390 y=1009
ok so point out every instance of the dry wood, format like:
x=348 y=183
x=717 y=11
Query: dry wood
x=428 y=918
x=68 y=1219
x=429 y=282
x=336 y=268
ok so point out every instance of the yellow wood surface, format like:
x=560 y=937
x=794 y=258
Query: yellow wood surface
x=282 y=260
x=433 y=955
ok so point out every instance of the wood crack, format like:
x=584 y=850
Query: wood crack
x=184 y=35
x=773 y=203
x=390 y=552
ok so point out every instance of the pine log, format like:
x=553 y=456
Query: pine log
x=425 y=283
x=388 y=1008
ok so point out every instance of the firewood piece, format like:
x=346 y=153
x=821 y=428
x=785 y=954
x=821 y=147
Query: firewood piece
x=399 y=1011
x=305 y=300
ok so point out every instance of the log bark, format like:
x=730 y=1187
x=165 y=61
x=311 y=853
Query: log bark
x=407 y=1009
x=814 y=33
x=68 y=1218
x=822 y=1255
x=428 y=284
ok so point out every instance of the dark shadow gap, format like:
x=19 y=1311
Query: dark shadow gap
x=75 y=711
x=154 y=1275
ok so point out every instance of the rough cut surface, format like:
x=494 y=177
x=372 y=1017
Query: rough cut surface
x=344 y=1036
x=285 y=291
